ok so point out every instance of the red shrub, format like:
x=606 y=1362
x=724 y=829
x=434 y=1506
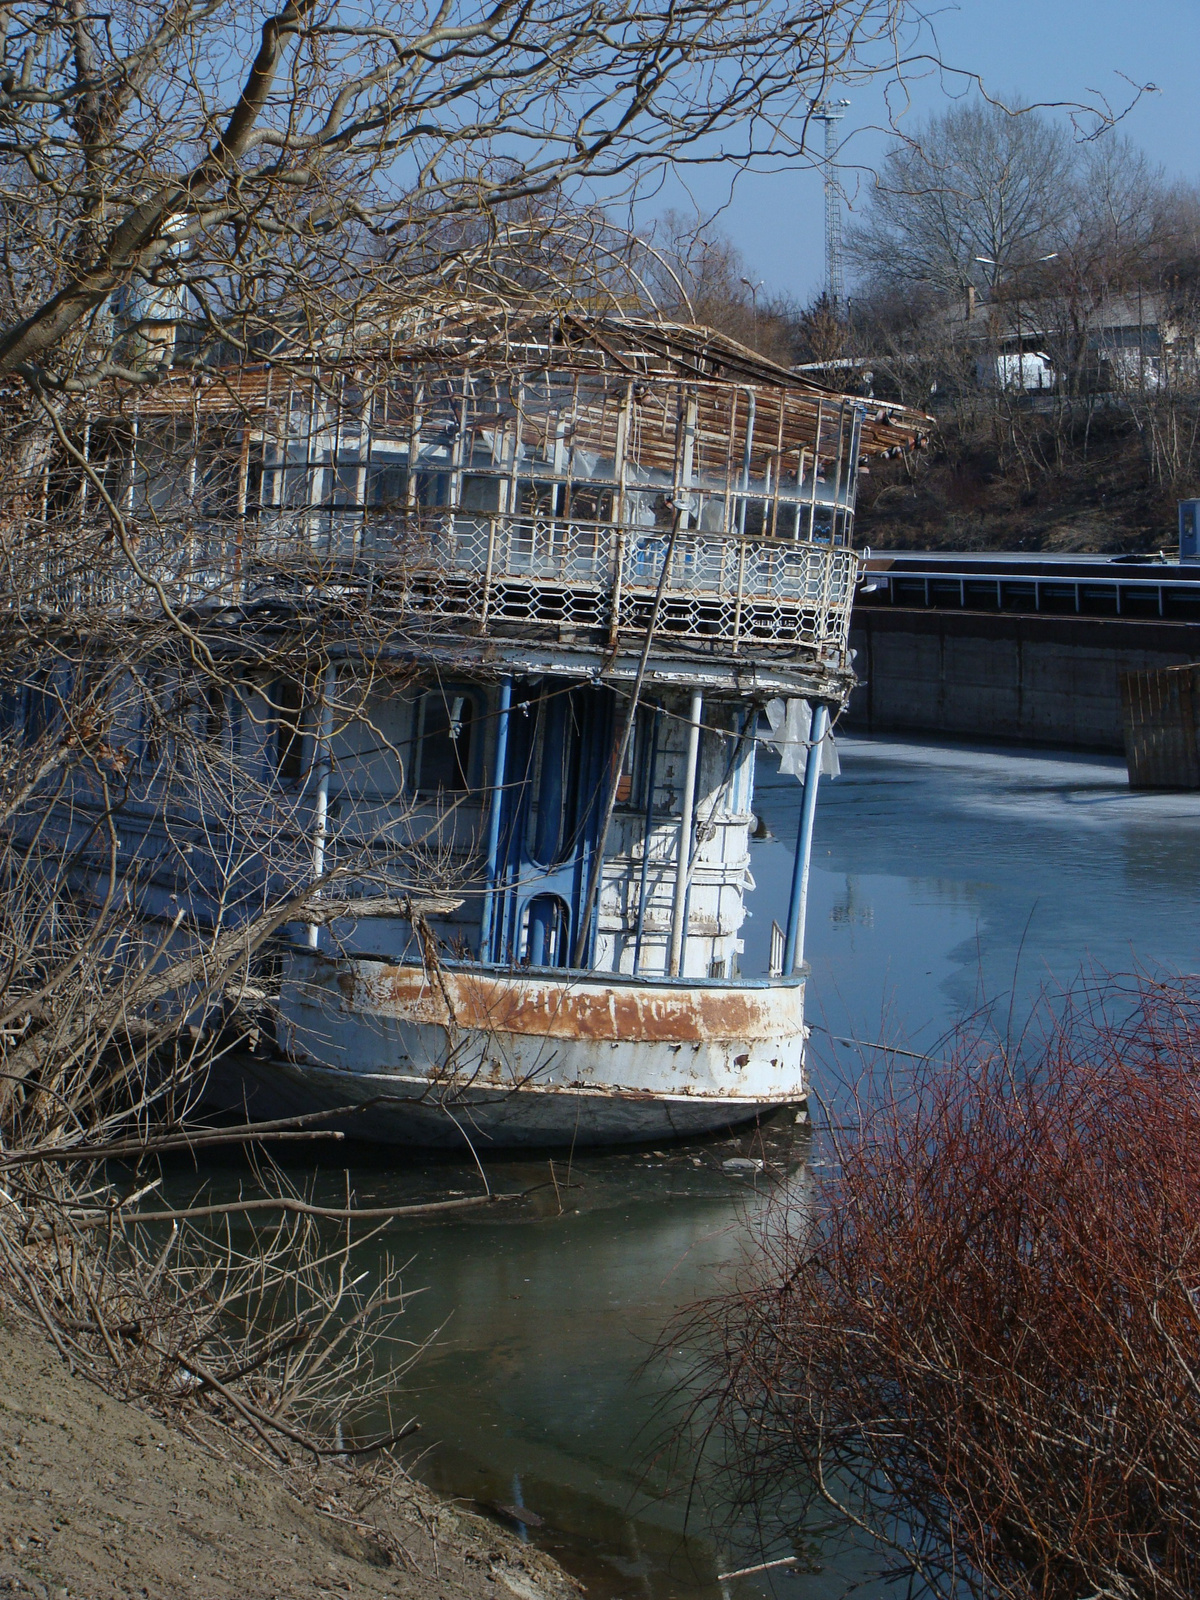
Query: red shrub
x=980 y=1335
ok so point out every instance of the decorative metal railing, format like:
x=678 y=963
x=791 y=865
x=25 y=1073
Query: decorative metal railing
x=497 y=570
x=483 y=573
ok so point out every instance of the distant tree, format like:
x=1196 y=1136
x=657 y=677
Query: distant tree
x=975 y=181
x=698 y=274
x=821 y=332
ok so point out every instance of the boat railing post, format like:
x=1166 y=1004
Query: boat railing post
x=793 y=949
x=486 y=600
x=616 y=587
x=679 y=905
x=741 y=592
x=323 y=763
x=495 y=800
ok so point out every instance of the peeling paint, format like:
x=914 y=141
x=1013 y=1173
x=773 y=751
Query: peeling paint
x=574 y=1007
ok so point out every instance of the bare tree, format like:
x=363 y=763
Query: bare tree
x=185 y=155
x=978 y=181
x=198 y=203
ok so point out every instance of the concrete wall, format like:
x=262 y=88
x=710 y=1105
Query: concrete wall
x=1036 y=679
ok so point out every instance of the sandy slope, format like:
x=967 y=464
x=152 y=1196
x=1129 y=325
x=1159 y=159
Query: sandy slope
x=100 y=1500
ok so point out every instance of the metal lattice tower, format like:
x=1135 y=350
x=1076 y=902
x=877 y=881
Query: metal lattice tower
x=831 y=112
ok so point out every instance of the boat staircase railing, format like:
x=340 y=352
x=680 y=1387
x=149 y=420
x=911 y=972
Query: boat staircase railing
x=489 y=574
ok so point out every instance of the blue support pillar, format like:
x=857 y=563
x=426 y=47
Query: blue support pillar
x=495 y=807
x=793 y=949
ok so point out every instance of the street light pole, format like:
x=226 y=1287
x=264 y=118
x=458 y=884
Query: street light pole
x=754 y=288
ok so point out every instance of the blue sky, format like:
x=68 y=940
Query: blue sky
x=1041 y=50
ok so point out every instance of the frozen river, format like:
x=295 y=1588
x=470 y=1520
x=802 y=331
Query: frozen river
x=948 y=878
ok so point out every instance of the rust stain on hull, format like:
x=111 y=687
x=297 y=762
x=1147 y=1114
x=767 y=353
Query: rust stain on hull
x=576 y=1009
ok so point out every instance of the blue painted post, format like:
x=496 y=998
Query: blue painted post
x=541 y=923
x=793 y=949
x=495 y=806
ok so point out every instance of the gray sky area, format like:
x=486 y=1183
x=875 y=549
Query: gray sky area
x=1040 y=50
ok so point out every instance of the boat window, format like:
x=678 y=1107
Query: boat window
x=387 y=486
x=343 y=482
x=628 y=766
x=444 y=741
x=710 y=515
x=480 y=493
x=635 y=772
x=591 y=505
x=215 y=711
x=536 y=499
x=822 y=525
x=756 y=511
x=433 y=489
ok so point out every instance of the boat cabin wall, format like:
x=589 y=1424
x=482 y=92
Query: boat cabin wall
x=420 y=771
x=343 y=465
x=408 y=771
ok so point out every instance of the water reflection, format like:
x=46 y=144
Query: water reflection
x=537 y=1390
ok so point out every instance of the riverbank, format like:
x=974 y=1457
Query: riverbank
x=101 y=1500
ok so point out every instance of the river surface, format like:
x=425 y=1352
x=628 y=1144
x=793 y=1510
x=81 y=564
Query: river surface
x=945 y=880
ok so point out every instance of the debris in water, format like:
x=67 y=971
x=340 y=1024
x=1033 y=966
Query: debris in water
x=520 y=1514
x=741 y=1164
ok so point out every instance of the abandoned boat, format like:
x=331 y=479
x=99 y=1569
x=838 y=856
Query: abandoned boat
x=592 y=551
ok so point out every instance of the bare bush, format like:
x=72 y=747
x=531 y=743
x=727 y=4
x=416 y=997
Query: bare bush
x=981 y=1344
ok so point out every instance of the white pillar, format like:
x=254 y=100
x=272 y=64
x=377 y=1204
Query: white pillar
x=679 y=908
x=322 y=764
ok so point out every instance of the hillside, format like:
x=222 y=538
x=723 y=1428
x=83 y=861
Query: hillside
x=1025 y=481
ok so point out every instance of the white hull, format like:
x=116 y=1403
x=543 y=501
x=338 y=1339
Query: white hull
x=521 y=1059
x=411 y=1111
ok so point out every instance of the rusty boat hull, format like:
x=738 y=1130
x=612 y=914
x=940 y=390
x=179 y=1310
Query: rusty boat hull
x=521 y=1059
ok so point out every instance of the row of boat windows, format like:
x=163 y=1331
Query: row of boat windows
x=441 y=754
x=391 y=490
x=218 y=485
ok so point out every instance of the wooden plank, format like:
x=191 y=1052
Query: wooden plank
x=1159 y=712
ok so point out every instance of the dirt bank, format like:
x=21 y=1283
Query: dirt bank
x=102 y=1501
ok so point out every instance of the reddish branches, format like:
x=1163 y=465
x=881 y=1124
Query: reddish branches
x=984 y=1341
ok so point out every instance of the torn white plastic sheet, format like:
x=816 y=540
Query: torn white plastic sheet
x=791 y=723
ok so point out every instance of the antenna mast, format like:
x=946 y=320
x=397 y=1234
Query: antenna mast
x=831 y=112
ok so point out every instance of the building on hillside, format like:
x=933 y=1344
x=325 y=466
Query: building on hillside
x=1042 y=345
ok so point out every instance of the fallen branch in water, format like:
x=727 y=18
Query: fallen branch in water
x=301 y=1208
x=250 y=1132
x=762 y=1566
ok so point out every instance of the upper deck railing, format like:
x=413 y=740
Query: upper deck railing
x=495 y=574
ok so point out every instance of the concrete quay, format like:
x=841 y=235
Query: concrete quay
x=1028 y=649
